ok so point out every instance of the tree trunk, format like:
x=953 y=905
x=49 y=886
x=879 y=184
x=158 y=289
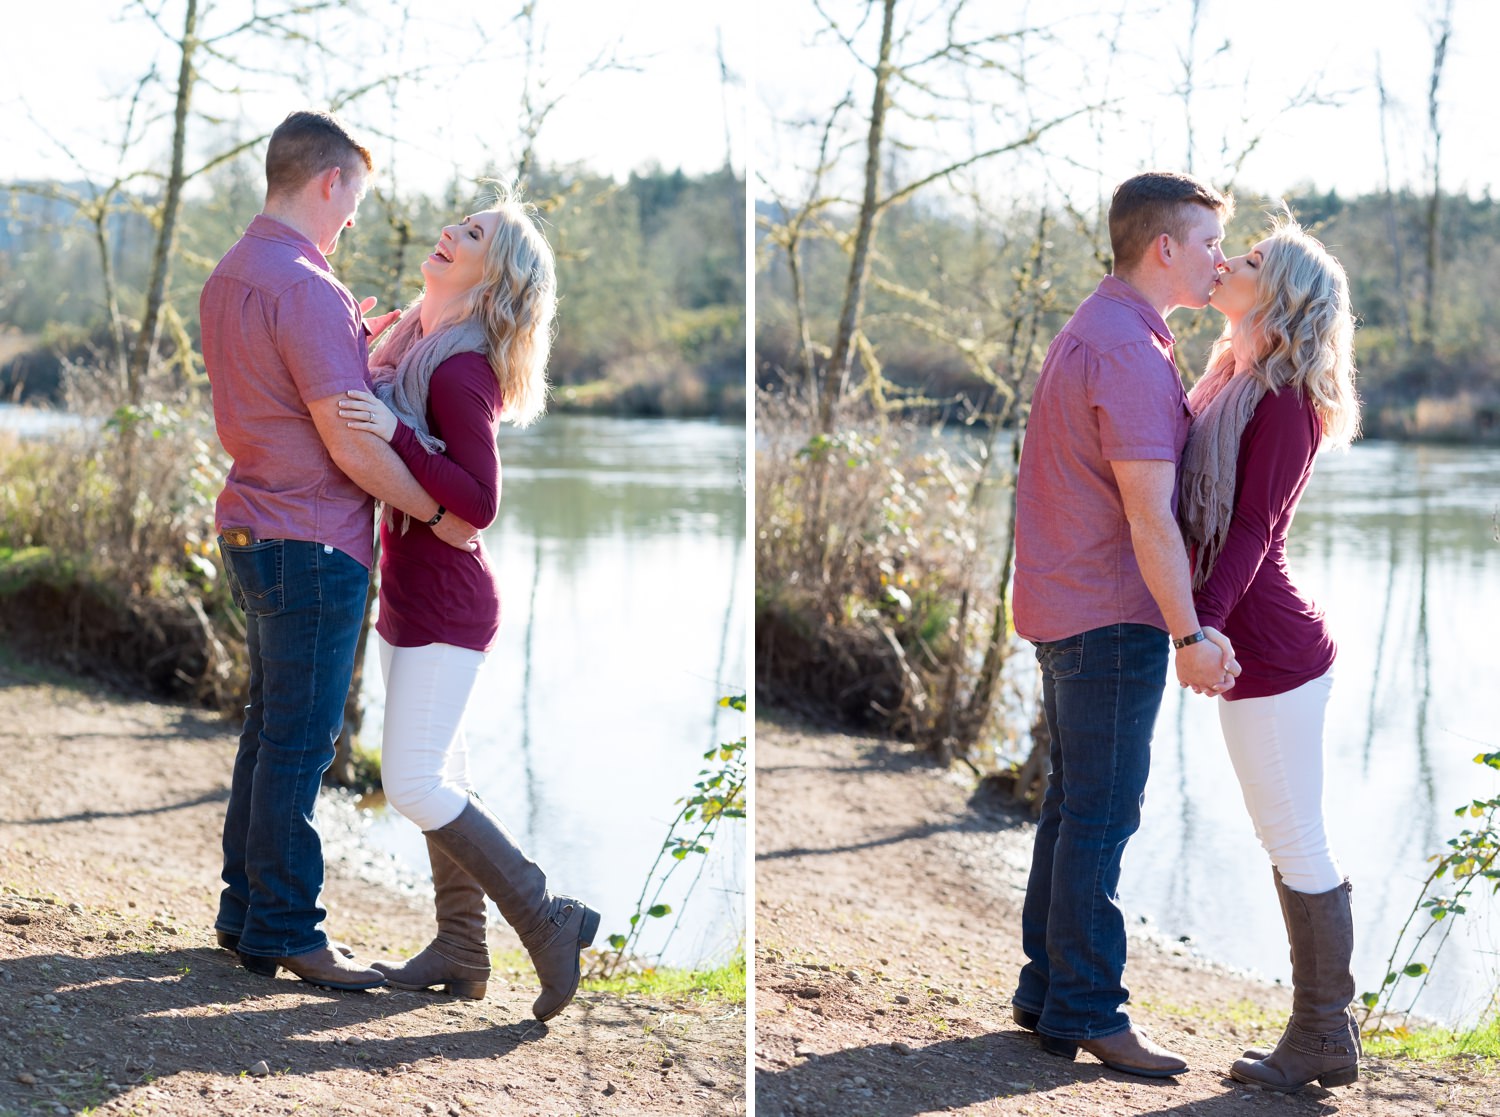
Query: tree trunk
x=117 y=355
x=1441 y=33
x=808 y=373
x=1393 y=226
x=166 y=234
x=836 y=374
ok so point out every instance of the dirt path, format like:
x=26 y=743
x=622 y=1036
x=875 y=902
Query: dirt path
x=114 y=1001
x=887 y=943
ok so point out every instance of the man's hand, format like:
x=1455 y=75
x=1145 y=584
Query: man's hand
x=377 y=326
x=457 y=532
x=1209 y=666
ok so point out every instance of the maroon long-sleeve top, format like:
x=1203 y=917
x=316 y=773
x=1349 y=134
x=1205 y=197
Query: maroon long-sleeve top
x=1279 y=635
x=431 y=593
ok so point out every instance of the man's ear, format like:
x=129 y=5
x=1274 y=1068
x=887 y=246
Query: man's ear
x=328 y=180
x=1163 y=248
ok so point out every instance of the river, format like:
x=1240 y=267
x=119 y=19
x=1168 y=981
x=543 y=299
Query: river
x=1397 y=544
x=624 y=582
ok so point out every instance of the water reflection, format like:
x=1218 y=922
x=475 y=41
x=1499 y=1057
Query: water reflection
x=1396 y=544
x=620 y=548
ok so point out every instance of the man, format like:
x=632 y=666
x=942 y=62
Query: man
x=1101 y=583
x=282 y=341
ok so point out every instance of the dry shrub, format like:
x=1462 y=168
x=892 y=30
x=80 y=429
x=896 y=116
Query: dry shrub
x=111 y=568
x=658 y=383
x=1466 y=417
x=877 y=581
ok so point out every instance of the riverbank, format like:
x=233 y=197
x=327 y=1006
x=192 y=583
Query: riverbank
x=114 y=1000
x=887 y=941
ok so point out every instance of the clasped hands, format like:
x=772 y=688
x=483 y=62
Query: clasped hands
x=1208 y=667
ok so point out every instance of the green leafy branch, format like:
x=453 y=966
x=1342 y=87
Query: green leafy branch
x=1468 y=864
x=717 y=795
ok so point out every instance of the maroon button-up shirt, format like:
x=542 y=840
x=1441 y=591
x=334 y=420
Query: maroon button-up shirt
x=1108 y=392
x=279 y=332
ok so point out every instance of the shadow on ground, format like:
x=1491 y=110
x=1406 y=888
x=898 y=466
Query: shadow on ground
x=885 y=1080
x=78 y=1031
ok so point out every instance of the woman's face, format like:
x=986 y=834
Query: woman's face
x=1235 y=295
x=457 y=263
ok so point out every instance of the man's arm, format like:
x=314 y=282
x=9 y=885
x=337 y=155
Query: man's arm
x=371 y=464
x=1146 y=490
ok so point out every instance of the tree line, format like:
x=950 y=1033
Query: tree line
x=903 y=277
x=963 y=297
x=651 y=274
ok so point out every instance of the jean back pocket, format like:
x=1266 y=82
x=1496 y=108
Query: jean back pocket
x=255 y=576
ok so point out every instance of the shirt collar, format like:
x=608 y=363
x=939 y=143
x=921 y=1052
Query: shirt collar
x=268 y=228
x=1114 y=288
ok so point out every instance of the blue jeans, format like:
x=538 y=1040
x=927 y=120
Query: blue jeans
x=1100 y=694
x=303 y=606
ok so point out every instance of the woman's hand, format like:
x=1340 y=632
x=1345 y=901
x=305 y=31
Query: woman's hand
x=378 y=325
x=363 y=411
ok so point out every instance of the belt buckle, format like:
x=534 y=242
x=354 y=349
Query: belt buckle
x=237 y=536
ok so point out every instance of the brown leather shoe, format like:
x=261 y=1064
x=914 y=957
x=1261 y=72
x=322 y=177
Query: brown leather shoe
x=324 y=966
x=1130 y=1052
x=1025 y=1017
x=231 y=942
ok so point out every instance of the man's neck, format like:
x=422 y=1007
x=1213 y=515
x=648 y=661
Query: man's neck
x=1151 y=288
x=291 y=215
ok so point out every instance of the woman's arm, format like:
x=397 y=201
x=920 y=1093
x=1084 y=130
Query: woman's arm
x=465 y=478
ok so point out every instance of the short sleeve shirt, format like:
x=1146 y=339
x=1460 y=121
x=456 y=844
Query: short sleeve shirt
x=280 y=332
x=1108 y=391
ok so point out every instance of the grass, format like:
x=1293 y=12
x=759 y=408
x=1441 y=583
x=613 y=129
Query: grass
x=1425 y=1044
x=1435 y=1044
x=724 y=983
x=1244 y=1015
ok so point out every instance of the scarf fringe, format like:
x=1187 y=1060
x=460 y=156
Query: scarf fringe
x=1223 y=404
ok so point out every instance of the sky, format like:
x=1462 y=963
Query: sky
x=67 y=69
x=1252 y=61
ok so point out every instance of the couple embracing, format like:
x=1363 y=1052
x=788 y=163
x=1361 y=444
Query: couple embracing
x=320 y=428
x=1147 y=516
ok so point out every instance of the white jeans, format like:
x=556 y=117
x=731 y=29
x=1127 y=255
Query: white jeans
x=1276 y=746
x=424 y=762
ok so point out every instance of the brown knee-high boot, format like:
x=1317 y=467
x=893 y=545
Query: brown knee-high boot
x=1281 y=891
x=553 y=929
x=458 y=958
x=1321 y=1040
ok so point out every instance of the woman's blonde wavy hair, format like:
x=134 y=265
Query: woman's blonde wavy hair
x=1300 y=332
x=516 y=302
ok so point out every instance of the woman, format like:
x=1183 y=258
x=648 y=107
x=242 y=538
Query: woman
x=472 y=350
x=1280 y=384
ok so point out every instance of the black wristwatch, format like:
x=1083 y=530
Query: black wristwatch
x=433 y=522
x=1195 y=638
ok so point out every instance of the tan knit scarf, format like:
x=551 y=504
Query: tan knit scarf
x=402 y=367
x=1222 y=405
